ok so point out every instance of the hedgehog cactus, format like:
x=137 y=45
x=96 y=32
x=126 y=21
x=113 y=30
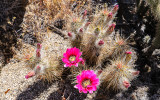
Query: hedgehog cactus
x=79 y=26
x=92 y=39
x=90 y=36
x=119 y=74
x=37 y=60
x=43 y=68
x=97 y=40
x=34 y=58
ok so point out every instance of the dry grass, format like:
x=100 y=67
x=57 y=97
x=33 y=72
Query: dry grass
x=41 y=13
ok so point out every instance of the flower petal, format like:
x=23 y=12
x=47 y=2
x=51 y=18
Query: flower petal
x=84 y=91
x=65 y=60
x=76 y=64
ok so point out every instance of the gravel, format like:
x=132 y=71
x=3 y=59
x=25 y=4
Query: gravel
x=12 y=77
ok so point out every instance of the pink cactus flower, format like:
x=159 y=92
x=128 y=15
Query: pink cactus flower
x=87 y=81
x=30 y=74
x=72 y=57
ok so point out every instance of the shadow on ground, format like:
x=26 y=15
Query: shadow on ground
x=33 y=91
x=11 y=16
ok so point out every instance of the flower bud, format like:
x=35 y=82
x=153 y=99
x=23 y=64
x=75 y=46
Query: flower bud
x=110 y=15
x=101 y=42
x=39 y=46
x=85 y=13
x=38 y=67
x=128 y=56
x=116 y=7
x=81 y=30
x=87 y=24
x=134 y=72
x=38 y=54
x=99 y=72
x=82 y=62
x=126 y=84
x=69 y=34
x=111 y=29
x=30 y=74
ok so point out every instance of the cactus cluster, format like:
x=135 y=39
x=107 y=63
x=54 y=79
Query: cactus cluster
x=93 y=41
x=96 y=38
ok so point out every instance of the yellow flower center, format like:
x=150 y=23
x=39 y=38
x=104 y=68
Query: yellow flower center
x=72 y=58
x=85 y=83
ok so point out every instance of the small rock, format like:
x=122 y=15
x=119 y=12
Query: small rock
x=156 y=52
